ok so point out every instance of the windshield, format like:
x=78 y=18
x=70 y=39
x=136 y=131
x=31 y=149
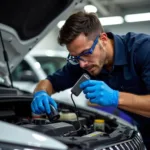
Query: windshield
x=50 y=64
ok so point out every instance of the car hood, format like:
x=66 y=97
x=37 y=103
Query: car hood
x=24 y=23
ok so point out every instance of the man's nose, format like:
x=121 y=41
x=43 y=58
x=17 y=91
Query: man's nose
x=83 y=63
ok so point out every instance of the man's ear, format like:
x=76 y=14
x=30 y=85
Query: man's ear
x=104 y=38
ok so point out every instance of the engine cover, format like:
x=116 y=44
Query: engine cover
x=53 y=129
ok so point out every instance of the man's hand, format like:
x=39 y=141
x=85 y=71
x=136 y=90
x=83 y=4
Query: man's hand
x=41 y=103
x=100 y=93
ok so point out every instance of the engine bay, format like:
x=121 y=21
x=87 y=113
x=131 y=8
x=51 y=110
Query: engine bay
x=88 y=130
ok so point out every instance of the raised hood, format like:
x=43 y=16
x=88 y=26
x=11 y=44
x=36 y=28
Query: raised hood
x=23 y=23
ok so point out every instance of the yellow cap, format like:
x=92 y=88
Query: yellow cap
x=99 y=121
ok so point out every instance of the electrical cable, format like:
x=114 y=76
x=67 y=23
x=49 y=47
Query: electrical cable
x=77 y=115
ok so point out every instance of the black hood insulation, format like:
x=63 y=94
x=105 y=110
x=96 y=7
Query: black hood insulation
x=30 y=17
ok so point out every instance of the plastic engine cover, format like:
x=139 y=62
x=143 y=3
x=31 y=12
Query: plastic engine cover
x=53 y=129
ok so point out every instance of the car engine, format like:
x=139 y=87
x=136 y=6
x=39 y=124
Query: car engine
x=81 y=128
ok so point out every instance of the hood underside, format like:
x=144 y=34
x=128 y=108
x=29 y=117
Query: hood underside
x=23 y=23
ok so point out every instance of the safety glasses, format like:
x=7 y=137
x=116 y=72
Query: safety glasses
x=74 y=60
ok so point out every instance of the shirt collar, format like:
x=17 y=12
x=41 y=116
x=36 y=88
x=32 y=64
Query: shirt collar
x=120 y=57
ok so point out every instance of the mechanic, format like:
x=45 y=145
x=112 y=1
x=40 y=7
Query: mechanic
x=119 y=67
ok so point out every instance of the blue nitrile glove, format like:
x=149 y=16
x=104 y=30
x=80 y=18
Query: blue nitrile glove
x=41 y=103
x=100 y=93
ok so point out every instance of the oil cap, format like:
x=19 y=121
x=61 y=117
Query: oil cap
x=54 y=115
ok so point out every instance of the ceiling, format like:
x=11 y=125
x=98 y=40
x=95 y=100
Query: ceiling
x=118 y=7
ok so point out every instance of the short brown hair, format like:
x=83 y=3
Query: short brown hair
x=80 y=22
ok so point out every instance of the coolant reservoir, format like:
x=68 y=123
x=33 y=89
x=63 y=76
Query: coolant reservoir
x=66 y=115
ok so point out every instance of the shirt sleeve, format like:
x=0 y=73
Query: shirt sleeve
x=143 y=63
x=66 y=77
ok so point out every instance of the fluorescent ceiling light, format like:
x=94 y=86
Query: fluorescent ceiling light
x=105 y=21
x=60 y=24
x=90 y=8
x=137 y=17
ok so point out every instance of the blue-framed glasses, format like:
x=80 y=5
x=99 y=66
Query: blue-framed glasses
x=74 y=60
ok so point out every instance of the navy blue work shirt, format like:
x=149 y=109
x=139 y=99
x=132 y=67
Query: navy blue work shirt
x=130 y=73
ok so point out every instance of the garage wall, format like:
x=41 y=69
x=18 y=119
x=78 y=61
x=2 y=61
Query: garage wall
x=142 y=27
x=50 y=41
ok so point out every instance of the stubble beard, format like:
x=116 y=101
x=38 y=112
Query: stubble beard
x=98 y=67
x=96 y=70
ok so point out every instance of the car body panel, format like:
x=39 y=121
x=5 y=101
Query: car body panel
x=16 y=47
x=27 y=137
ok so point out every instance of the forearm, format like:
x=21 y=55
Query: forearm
x=135 y=103
x=46 y=86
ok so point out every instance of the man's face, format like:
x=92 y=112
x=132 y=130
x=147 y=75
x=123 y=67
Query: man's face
x=94 y=62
